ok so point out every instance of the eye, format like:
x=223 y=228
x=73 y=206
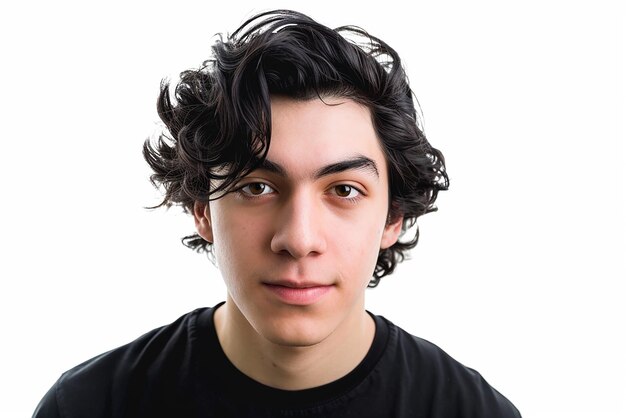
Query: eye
x=346 y=192
x=256 y=189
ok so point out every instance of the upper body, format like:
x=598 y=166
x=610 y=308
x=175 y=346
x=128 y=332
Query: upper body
x=299 y=154
x=180 y=370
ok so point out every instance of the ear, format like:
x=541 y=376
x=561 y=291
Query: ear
x=391 y=233
x=202 y=217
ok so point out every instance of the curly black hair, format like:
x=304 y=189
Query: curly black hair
x=218 y=117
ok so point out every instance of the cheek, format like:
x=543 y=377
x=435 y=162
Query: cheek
x=238 y=241
x=359 y=247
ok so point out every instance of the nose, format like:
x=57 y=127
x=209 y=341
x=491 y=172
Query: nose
x=299 y=229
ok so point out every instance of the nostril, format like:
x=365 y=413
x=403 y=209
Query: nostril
x=296 y=245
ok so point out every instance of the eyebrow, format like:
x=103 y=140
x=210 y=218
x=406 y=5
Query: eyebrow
x=358 y=162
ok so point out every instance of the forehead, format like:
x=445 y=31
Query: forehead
x=308 y=134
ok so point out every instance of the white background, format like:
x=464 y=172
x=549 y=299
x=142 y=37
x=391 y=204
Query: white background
x=519 y=275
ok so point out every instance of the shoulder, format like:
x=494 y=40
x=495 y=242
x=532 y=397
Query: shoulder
x=443 y=382
x=102 y=385
x=153 y=347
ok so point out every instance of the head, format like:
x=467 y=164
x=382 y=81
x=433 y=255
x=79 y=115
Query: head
x=220 y=118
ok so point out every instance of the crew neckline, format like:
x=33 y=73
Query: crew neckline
x=212 y=361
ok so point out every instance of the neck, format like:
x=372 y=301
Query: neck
x=293 y=367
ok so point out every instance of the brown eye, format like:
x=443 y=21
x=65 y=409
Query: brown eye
x=256 y=189
x=345 y=191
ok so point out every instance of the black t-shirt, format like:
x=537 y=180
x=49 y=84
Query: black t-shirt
x=180 y=371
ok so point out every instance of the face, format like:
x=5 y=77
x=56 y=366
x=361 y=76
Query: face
x=298 y=239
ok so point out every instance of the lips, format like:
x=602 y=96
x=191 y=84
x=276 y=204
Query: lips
x=298 y=293
x=295 y=284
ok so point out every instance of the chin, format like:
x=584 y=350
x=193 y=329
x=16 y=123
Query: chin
x=294 y=341
x=294 y=333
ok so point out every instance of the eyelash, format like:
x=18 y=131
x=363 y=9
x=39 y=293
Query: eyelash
x=249 y=196
x=354 y=199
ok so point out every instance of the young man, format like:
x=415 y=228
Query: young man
x=299 y=155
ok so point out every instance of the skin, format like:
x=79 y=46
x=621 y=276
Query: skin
x=303 y=220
